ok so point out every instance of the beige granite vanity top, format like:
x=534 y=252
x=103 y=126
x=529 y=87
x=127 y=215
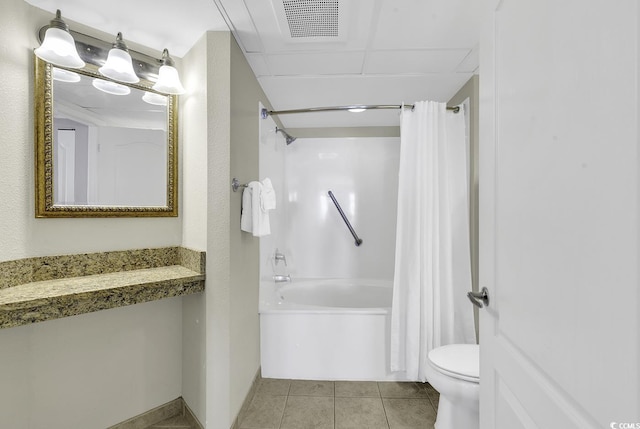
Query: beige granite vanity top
x=61 y=296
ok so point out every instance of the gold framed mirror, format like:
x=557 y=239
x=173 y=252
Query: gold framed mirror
x=103 y=149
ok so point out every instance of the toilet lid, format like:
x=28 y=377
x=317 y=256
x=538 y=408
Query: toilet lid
x=458 y=360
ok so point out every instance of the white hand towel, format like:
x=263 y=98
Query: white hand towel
x=259 y=218
x=267 y=196
x=246 y=218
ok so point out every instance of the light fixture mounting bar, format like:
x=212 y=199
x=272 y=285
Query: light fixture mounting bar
x=94 y=51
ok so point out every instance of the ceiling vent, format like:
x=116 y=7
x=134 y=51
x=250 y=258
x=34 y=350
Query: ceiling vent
x=311 y=20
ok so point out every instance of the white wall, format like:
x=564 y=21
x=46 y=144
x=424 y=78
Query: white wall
x=83 y=364
x=220 y=137
x=244 y=351
x=193 y=139
x=468 y=94
x=363 y=175
x=217 y=294
x=92 y=370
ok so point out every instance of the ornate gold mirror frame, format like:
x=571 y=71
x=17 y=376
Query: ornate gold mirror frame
x=45 y=207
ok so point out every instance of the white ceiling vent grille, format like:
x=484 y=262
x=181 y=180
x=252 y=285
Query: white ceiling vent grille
x=312 y=21
x=312 y=18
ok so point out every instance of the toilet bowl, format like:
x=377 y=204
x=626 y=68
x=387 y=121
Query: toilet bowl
x=454 y=371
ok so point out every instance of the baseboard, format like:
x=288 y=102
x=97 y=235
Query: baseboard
x=174 y=408
x=247 y=400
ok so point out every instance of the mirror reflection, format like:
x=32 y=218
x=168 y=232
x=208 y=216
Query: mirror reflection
x=103 y=148
x=109 y=144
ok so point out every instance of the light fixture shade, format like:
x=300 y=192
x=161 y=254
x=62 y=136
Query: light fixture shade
x=58 y=46
x=168 y=78
x=111 y=87
x=155 y=99
x=63 y=75
x=119 y=66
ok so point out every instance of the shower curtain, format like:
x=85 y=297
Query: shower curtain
x=433 y=262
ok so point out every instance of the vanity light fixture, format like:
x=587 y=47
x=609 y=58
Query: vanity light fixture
x=119 y=66
x=111 y=87
x=58 y=46
x=357 y=109
x=168 y=78
x=69 y=49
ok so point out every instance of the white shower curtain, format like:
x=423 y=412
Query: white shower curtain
x=433 y=263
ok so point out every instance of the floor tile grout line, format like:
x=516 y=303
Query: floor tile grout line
x=286 y=401
x=284 y=409
x=334 y=406
x=384 y=409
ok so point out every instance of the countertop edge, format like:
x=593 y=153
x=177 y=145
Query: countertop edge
x=102 y=298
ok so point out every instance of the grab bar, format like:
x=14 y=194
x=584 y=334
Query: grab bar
x=344 y=218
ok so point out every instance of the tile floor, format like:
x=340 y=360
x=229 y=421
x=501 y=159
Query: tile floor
x=299 y=404
x=178 y=422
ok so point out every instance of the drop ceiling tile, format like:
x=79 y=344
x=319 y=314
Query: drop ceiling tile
x=316 y=63
x=414 y=61
x=428 y=24
x=258 y=64
x=241 y=23
x=470 y=63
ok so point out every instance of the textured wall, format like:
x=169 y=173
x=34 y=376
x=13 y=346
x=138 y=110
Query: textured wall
x=72 y=372
x=22 y=234
x=218 y=307
x=193 y=139
x=246 y=94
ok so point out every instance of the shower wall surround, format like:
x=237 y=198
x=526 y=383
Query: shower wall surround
x=362 y=172
x=363 y=175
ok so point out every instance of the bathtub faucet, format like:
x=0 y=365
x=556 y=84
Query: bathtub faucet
x=281 y=279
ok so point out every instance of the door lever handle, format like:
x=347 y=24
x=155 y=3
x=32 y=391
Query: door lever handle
x=479 y=299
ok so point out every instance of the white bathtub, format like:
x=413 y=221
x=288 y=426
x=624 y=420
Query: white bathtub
x=326 y=329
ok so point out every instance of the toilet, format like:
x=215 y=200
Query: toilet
x=454 y=371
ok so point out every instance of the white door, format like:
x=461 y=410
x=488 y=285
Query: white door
x=559 y=216
x=65 y=162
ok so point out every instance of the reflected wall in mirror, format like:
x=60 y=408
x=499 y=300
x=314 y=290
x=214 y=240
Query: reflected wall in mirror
x=103 y=148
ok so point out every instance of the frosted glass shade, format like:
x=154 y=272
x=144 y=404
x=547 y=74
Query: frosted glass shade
x=63 y=75
x=111 y=87
x=59 y=48
x=155 y=99
x=119 y=67
x=169 y=81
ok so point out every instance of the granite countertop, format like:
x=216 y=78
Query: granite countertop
x=37 y=301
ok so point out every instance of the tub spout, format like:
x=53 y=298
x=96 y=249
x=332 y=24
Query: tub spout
x=281 y=279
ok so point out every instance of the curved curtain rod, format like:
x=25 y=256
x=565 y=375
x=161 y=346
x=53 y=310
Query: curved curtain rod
x=266 y=112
